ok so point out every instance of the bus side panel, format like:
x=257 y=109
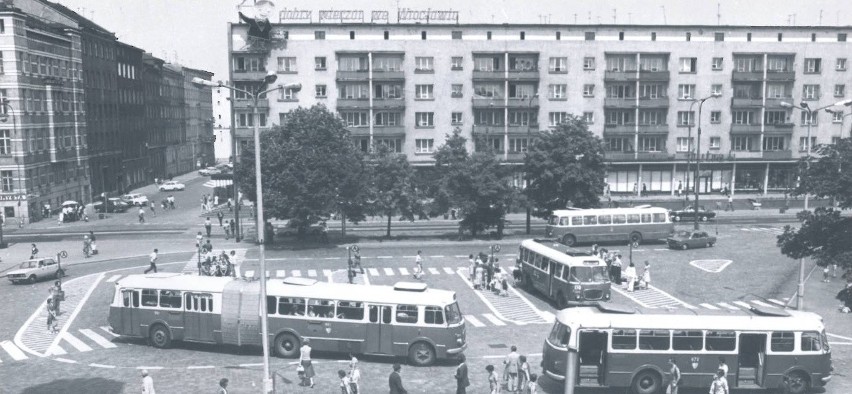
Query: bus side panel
x=344 y=337
x=777 y=365
x=240 y=323
x=622 y=367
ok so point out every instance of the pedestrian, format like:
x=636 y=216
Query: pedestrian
x=198 y=239
x=220 y=216
x=47 y=212
x=675 y=372
x=207 y=247
x=478 y=274
x=679 y=189
x=57 y=295
x=344 y=382
x=511 y=369
x=171 y=199
x=33 y=251
x=533 y=384
x=305 y=362
x=223 y=386
x=208 y=226
x=354 y=375
x=153 y=258
x=204 y=204
x=630 y=274
x=51 y=316
x=230 y=204
x=489 y=272
x=594 y=251
x=825 y=274
x=153 y=212
x=615 y=270
x=87 y=246
x=462 y=380
x=216 y=200
x=719 y=384
x=646 y=275
x=493 y=382
x=730 y=203
x=395 y=381
x=94 y=246
x=324 y=233
x=227 y=232
x=471 y=267
x=418 y=265
x=358 y=262
x=504 y=283
x=141 y=215
x=723 y=367
x=524 y=375
x=845 y=298
x=834 y=269
x=147 y=383
x=233 y=226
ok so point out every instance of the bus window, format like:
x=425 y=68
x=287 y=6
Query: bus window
x=560 y=335
x=618 y=219
x=633 y=218
x=576 y=221
x=721 y=340
x=687 y=340
x=406 y=314
x=350 y=310
x=321 y=308
x=386 y=315
x=374 y=314
x=558 y=271
x=537 y=262
x=590 y=220
x=149 y=297
x=291 y=306
x=525 y=255
x=811 y=341
x=434 y=315
x=130 y=297
x=646 y=218
x=545 y=264
x=170 y=298
x=624 y=339
x=604 y=219
x=782 y=341
x=553 y=220
x=659 y=218
x=588 y=274
x=563 y=221
x=654 y=339
x=271 y=303
x=453 y=313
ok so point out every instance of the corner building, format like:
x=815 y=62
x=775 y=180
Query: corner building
x=409 y=85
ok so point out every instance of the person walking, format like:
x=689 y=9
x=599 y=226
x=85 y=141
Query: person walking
x=153 y=212
x=57 y=295
x=87 y=246
x=153 y=258
x=93 y=244
x=357 y=262
x=51 y=316
x=147 y=383
x=719 y=384
x=524 y=375
x=418 y=265
x=510 y=371
x=141 y=215
x=33 y=251
x=395 y=381
x=730 y=203
x=305 y=362
x=216 y=200
x=227 y=232
x=471 y=267
x=675 y=372
x=493 y=381
x=478 y=275
x=646 y=275
x=723 y=366
x=208 y=226
x=171 y=200
x=233 y=226
x=462 y=380
x=615 y=270
x=230 y=204
x=354 y=375
x=344 y=382
x=223 y=386
x=199 y=239
x=630 y=274
x=220 y=216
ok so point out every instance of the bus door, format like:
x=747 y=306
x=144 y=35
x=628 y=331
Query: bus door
x=593 y=354
x=130 y=318
x=197 y=317
x=380 y=330
x=751 y=359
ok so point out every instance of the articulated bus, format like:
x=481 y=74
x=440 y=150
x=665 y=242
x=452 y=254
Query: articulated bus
x=407 y=319
x=570 y=278
x=571 y=226
x=617 y=346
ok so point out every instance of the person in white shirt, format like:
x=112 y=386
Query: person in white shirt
x=354 y=376
x=153 y=257
x=723 y=367
x=630 y=274
x=147 y=383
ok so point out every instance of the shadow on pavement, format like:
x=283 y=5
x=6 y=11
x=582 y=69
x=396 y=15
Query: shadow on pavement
x=80 y=385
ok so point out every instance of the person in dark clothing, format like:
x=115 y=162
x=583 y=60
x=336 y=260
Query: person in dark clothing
x=395 y=381
x=845 y=298
x=259 y=27
x=461 y=376
x=208 y=226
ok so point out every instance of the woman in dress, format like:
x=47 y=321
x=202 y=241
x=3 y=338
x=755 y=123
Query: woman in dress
x=630 y=274
x=479 y=274
x=646 y=275
x=305 y=361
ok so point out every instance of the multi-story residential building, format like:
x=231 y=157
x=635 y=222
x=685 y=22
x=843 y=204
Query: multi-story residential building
x=222 y=123
x=198 y=102
x=135 y=171
x=409 y=85
x=155 y=109
x=179 y=158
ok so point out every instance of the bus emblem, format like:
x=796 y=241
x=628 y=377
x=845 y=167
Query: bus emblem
x=328 y=328
x=694 y=361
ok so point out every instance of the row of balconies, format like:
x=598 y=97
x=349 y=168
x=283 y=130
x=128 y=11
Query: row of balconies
x=776 y=128
x=660 y=102
x=632 y=76
x=708 y=157
x=757 y=76
x=757 y=102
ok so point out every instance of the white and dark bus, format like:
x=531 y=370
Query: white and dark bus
x=565 y=276
x=573 y=226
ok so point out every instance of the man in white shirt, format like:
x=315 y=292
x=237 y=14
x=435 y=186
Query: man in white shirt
x=147 y=383
x=153 y=257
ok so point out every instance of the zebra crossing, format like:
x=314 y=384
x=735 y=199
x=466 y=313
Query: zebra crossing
x=371 y=271
x=763 y=229
x=81 y=340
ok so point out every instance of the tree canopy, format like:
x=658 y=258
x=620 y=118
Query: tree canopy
x=565 y=164
x=392 y=190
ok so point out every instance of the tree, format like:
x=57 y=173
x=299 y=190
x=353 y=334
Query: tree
x=392 y=188
x=825 y=234
x=565 y=164
x=310 y=168
x=475 y=184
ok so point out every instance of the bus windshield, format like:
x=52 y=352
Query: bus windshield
x=554 y=220
x=588 y=274
x=453 y=312
x=559 y=335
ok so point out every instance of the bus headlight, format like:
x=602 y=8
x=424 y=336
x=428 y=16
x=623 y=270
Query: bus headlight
x=460 y=341
x=606 y=296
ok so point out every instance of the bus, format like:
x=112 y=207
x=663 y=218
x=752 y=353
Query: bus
x=571 y=226
x=569 y=277
x=613 y=346
x=407 y=319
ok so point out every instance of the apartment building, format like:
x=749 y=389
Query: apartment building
x=409 y=85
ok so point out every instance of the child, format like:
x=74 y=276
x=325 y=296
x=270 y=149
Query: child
x=533 y=386
x=825 y=272
x=344 y=382
x=300 y=371
x=504 y=284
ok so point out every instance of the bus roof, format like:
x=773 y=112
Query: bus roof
x=609 y=211
x=402 y=293
x=560 y=253
x=174 y=281
x=689 y=319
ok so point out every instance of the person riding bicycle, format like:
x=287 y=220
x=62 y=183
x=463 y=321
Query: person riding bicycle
x=87 y=245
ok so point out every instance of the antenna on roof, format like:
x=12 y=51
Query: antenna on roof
x=614 y=16
x=665 y=22
x=820 y=17
x=718 y=13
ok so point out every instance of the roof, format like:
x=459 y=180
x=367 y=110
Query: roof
x=175 y=281
x=84 y=22
x=609 y=211
x=372 y=294
x=555 y=26
x=561 y=253
x=685 y=319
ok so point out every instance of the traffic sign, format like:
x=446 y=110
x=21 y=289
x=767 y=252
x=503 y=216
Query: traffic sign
x=63 y=254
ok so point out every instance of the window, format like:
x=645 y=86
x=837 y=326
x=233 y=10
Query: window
x=718 y=36
x=715 y=116
x=355 y=118
x=841 y=37
x=715 y=142
x=588 y=90
x=423 y=35
x=456 y=118
x=839 y=90
x=717 y=63
x=685 y=92
x=522 y=118
x=523 y=36
x=813 y=66
x=720 y=340
x=590 y=36
x=803 y=144
x=423 y=145
x=778 y=64
x=457 y=63
x=149 y=297
x=652 y=117
x=813 y=37
x=775 y=117
x=456 y=34
x=286 y=64
x=810 y=92
x=170 y=299
x=425 y=119
x=558 y=65
x=289 y=94
x=320 y=91
x=685 y=118
x=684 y=144
x=811 y=341
x=517 y=145
x=688 y=64
x=5 y=143
x=782 y=341
x=352 y=63
x=557 y=91
x=387 y=63
x=387 y=119
x=319 y=63
x=555 y=118
x=623 y=339
x=6 y=181
x=651 y=91
x=353 y=91
x=773 y=143
x=423 y=64
x=588 y=63
x=424 y=92
x=716 y=89
x=619 y=117
x=457 y=90
x=651 y=144
x=840 y=64
x=687 y=340
x=748 y=37
x=773 y=90
x=433 y=315
x=808 y=119
x=350 y=310
x=321 y=308
x=619 y=144
x=653 y=36
x=395 y=144
x=654 y=339
x=319 y=35
x=589 y=117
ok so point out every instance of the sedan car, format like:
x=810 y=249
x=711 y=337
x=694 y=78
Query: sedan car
x=292 y=229
x=135 y=199
x=209 y=171
x=688 y=213
x=114 y=204
x=172 y=185
x=35 y=269
x=690 y=239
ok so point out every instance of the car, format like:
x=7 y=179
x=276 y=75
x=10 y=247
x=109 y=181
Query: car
x=35 y=269
x=114 y=204
x=135 y=199
x=172 y=185
x=688 y=213
x=209 y=171
x=292 y=229
x=690 y=239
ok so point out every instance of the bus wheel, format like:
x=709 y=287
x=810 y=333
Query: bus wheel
x=569 y=240
x=647 y=382
x=286 y=345
x=561 y=301
x=797 y=383
x=635 y=238
x=421 y=354
x=160 y=337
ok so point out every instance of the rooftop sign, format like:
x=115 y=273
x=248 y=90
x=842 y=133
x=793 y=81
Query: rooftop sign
x=428 y=15
x=294 y=15
x=342 y=16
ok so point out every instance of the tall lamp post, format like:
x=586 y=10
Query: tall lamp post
x=8 y=112
x=526 y=156
x=255 y=95
x=689 y=148
x=698 y=152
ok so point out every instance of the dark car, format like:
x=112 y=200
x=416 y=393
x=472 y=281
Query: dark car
x=688 y=213
x=114 y=204
x=690 y=239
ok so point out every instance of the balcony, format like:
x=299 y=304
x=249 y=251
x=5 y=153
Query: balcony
x=388 y=103
x=523 y=75
x=775 y=102
x=650 y=156
x=778 y=155
x=488 y=129
x=654 y=129
x=523 y=129
x=619 y=129
x=620 y=102
x=640 y=156
x=654 y=76
x=388 y=131
x=779 y=128
x=746 y=154
x=516 y=157
x=750 y=102
x=523 y=102
x=249 y=75
x=747 y=76
x=659 y=102
x=353 y=103
x=353 y=75
x=620 y=76
x=745 y=128
x=780 y=76
x=262 y=104
x=489 y=102
x=386 y=75
x=359 y=131
x=619 y=156
x=489 y=75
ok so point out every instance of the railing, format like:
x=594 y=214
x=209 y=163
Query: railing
x=780 y=76
x=745 y=129
x=497 y=74
x=388 y=75
x=620 y=76
x=659 y=102
x=363 y=103
x=388 y=130
x=620 y=102
x=747 y=76
x=778 y=154
x=353 y=75
x=654 y=75
x=389 y=103
x=523 y=102
x=620 y=129
x=488 y=102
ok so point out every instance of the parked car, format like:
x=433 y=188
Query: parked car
x=172 y=185
x=114 y=204
x=292 y=229
x=209 y=171
x=690 y=239
x=688 y=213
x=135 y=199
x=36 y=269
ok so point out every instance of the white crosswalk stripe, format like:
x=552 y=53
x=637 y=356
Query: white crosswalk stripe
x=728 y=306
x=103 y=342
x=76 y=343
x=709 y=306
x=389 y=272
x=774 y=301
x=763 y=304
x=56 y=350
x=373 y=271
x=106 y=330
x=743 y=304
x=474 y=321
x=449 y=270
x=493 y=319
x=434 y=271
x=16 y=353
x=312 y=273
x=403 y=271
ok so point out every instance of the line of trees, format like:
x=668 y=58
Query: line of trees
x=311 y=169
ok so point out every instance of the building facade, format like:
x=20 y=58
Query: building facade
x=222 y=123
x=410 y=85
x=198 y=102
x=135 y=170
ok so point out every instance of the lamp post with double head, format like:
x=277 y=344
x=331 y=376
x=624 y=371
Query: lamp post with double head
x=255 y=95
x=526 y=156
x=698 y=153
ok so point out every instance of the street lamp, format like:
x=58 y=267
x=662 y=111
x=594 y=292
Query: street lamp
x=526 y=156
x=698 y=151
x=254 y=95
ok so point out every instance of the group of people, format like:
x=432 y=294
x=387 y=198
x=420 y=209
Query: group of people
x=168 y=203
x=516 y=375
x=55 y=298
x=719 y=385
x=209 y=202
x=628 y=278
x=484 y=272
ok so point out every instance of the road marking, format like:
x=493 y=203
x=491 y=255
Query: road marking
x=296 y=273
x=774 y=301
x=76 y=343
x=459 y=256
x=708 y=306
x=251 y=365
x=65 y=360
x=96 y=365
x=839 y=336
x=449 y=270
x=55 y=350
x=312 y=273
x=493 y=319
x=474 y=321
x=434 y=271
x=384 y=257
x=106 y=330
x=761 y=303
x=103 y=342
x=389 y=272
x=13 y=350
x=200 y=367
x=661 y=249
x=149 y=367
x=280 y=273
x=332 y=258
x=373 y=271
x=403 y=271
x=712 y=266
x=326 y=273
x=114 y=278
x=728 y=306
x=437 y=256
x=77 y=310
x=743 y=304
